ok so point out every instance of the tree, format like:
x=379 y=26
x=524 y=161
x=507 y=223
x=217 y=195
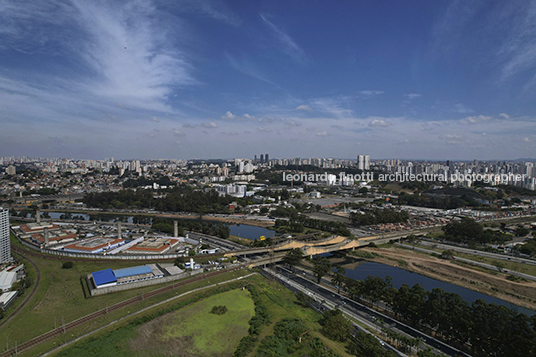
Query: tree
x=322 y=267
x=335 y=325
x=339 y=278
x=67 y=265
x=447 y=254
x=293 y=257
x=499 y=265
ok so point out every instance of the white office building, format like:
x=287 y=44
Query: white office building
x=363 y=162
x=5 y=246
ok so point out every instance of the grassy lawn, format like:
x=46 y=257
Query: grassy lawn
x=212 y=334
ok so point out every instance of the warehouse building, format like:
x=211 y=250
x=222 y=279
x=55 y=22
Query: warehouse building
x=154 y=246
x=111 y=277
x=94 y=245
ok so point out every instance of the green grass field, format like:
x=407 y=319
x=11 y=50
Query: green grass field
x=215 y=334
x=193 y=331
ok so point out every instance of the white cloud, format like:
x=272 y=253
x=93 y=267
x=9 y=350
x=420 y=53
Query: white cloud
x=155 y=119
x=304 y=107
x=525 y=139
x=504 y=116
x=322 y=133
x=475 y=119
x=412 y=96
x=370 y=93
x=460 y=108
x=263 y=129
x=292 y=123
x=228 y=132
x=177 y=133
x=379 y=123
x=209 y=125
x=188 y=125
x=229 y=116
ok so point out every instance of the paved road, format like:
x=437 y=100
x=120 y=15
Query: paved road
x=479 y=252
x=368 y=314
x=472 y=262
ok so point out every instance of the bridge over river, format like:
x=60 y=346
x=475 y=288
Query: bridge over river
x=310 y=248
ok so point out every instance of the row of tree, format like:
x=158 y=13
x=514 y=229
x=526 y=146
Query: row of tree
x=180 y=199
x=378 y=216
x=298 y=223
x=490 y=329
x=468 y=231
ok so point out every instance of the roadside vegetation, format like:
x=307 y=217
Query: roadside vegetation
x=280 y=325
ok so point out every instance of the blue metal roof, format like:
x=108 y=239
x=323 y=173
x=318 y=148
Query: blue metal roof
x=121 y=273
x=105 y=276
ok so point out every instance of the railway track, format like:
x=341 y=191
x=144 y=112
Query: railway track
x=73 y=324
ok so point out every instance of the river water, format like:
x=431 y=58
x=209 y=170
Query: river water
x=250 y=232
x=401 y=276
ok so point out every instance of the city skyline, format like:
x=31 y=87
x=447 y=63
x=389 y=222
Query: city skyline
x=418 y=81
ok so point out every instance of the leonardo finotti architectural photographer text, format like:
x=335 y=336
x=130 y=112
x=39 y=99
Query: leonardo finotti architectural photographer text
x=401 y=177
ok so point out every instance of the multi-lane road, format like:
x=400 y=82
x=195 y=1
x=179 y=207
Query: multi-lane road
x=365 y=313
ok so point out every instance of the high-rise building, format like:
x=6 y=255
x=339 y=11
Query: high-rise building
x=262 y=158
x=363 y=162
x=266 y=158
x=5 y=246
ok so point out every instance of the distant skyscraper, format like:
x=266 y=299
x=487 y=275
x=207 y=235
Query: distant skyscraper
x=5 y=247
x=363 y=162
x=255 y=161
x=262 y=158
x=266 y=158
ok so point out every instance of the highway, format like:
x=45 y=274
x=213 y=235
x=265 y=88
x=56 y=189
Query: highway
x=366 y=313
x=478 y=252
x=472 y=262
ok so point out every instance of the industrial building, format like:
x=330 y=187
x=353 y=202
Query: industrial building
x=111 y=277
x=7 y=299
x=94 y=245
x=154 y=246
x=46 y=233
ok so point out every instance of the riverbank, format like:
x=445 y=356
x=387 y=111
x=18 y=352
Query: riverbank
x=521 y=293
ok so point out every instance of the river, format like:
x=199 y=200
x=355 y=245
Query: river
x=401 y=276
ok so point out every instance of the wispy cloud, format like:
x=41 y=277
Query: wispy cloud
x=304 y=107
x=412 y=96
x=289 y=46
x=124 y=52
x=247 y=67
x=371 y=93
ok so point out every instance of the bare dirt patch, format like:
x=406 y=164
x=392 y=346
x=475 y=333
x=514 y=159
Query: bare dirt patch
x=149 y=339
x=520 y=293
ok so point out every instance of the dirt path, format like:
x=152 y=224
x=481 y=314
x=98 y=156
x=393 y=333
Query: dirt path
x=495 y=284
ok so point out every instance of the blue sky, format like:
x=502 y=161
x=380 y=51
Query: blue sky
x=214 y=79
